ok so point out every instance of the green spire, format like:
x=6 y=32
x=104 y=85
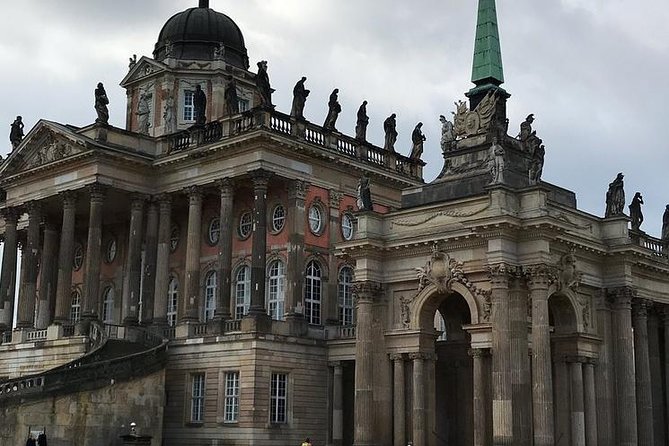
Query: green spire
x=487 y=67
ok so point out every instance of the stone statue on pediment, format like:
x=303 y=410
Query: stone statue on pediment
x=417 y=140
x=334 y=108
x=169 y=114
x=390 y=129
x=132 y=61
x=497 y=168
x=143 y=112
x=635 y=211
x=231 y=98
x=200 y=105
x=615 y=197
x=537 y=165
x=528 y=138
x=263 y=85
x=447 y=134
x=16 y=132
x=101 y=102
x=364 y=200
x=300 y=94
x=362 y=122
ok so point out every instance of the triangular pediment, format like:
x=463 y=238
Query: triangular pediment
x=45 y=144
x=144 y=68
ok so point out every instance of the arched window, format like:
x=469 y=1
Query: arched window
x=108 y=305
x=75 y=307
x=172 y=301
x=312 y=293
x=345 y=296
x=242 y=291
x=210 y=289
x=276 y=289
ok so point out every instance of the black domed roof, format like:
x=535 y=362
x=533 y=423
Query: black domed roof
x=197 y=33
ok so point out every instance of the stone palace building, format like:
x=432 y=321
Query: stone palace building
x=221 y=273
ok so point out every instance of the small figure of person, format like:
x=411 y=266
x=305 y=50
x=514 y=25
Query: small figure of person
x=41 y=439
x=665 y=224
x=31 y=440
x=199 y=105
x=101 y=102
x=169 y=115
x=615 y=197
x=299 y=99
x=526 y=128
x=417 y=138
x=334 y=108
x=231 y=98
x=635 y=211
x=497 y=169
x=390 y=129
x=263 y=85
x=447 y=135
x=306 y=442
x=362 y=122
x=537 y=166
x=16 y=132
x=364 y=201
x=143 y=112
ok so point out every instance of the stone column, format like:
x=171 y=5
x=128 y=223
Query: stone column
x=28 y=288
x=577 y=405
x=338 y=405
x=562 y=412
x=134 y=266
x=590 y=402
x=65 y=254
x=226 y=219
x=542 y=373
x=364 y=364
x=93 y=260
x=626 y=416
x=502 y=415
x=162 y=260
x=644 y=404
x=259 y=248
x=8 y=274
x=150 y=258
x=605 y=375
x=656 y=377
x=665 y=322
x=297 y=194
x=188 y=307
x=399 y=401
x=481 y=397
x=334 y=228
x=419 y=421
x=47 y=283
x=520 y=362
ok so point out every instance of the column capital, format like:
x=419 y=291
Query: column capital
x=10 y=214
x=297 y=190
x=501 y=273
x=34 y=207
x=397 y=357
x=69 y=198
x=194 y=194
x=540 y=276
x=226 y=186
x=622 y=297
x=335 y=198
x=260 y=178
x=640 y=308
x=479 y=352
x=97 y=191
x=366 y=291
x=424 y=356
x=164 y=201
x=576 y=358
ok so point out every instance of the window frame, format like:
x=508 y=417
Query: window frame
x=276 y=290
x=110 y=254
x=321 y=219
x=214 y=227
x=275 y=219
x=78 y=256
x=172 y=300
x=346 y=307
x=197 y=398
x=105 y=305
x=75 y=317
x=188 y=105
x=245 y=294
x=246 y=222
x=210 y=291
x=231 y=396
x=313 y=292
x=347 y=217
x=276 y=416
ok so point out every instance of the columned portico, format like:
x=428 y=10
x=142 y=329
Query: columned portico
x=29 y=262
x=93 y=253
x=226 y=217
x=188 y=307
x=162 y=259
x=134 y=265
x=65 y=253
x=8 y=274
x=364 y=368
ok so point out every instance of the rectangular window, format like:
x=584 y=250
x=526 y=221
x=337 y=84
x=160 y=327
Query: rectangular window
x=243 y=105
x=197 y=398
x=231 y=409
x=189 y=105
x=278 y=398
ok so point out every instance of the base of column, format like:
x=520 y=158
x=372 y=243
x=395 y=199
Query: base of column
x=297 y=324
x=131 y=321
x=258 y=322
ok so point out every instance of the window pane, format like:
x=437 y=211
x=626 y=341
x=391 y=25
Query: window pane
x=231 y=408
x=197 y=398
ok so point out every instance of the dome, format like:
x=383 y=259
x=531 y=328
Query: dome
x=197 y=34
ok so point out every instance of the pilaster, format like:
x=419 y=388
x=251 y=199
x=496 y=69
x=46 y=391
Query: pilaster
x=162 y=259
x=188 y=310
x=65 y=254
x=259 y=249
x=297 y=194
x=399 y=400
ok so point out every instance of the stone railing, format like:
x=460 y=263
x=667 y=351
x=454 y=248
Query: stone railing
x=6 y=337
x=94 y=369
x=655 y=245
x=308 y=132
x=232 y=326
x=36 y=335
x=341 y=332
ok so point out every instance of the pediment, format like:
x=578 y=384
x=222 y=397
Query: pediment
x=44 y=145
x=144 y=68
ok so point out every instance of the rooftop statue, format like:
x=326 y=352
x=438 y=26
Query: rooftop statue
x=537 y=165
x=364 y=200
x=417 y=138
x=334 y=108
x=361 y=124
x=390 y=128
x=231 y=99
x=219 y=52
x=200 y=105
x=635 y=211
x=299 y=99
x=101 y=102
x=528 y=137
x=132 y=61
x=264 y=88
x=665 y=224
x=143 y=112
x=447 y=134
x=497 y=167
x=169 y=114
x=615 y=197
x=16 y=132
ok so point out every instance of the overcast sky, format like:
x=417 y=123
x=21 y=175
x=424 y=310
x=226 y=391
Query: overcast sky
x=594 y=72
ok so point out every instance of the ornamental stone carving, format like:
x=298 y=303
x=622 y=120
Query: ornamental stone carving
x=366 y=290
x=569 y=277
x=52 y=149
x=474 y=122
